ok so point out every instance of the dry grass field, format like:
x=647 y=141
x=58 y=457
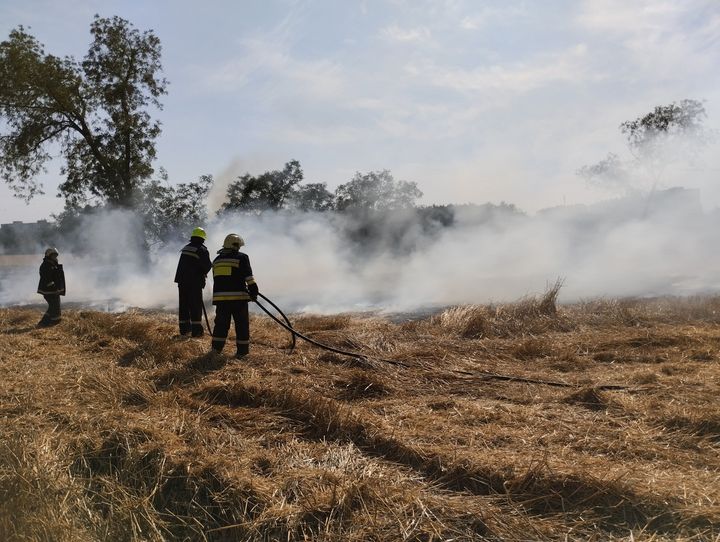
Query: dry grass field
x=31 y=261
x=112 y=429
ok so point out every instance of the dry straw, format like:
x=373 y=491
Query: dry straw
x=113 y=429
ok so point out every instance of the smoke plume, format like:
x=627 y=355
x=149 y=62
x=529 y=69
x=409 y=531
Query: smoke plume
x=655 y=244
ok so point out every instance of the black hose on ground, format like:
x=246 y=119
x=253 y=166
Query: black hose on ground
x=510 y=378
x=483 y=374
x=287 y=320
x=287 y=325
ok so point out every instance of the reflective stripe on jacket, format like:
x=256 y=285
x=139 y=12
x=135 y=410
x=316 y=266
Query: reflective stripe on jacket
x=194 y=264
x=232 y=277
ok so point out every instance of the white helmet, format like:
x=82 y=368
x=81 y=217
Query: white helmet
x=51 y=252
x=233 y=240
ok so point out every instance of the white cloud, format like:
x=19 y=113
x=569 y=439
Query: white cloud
x=567 y=66
x=487 y=15
x=666 y=38
x=318 y=134
x=640 y=16
x=265 y=61
x=399 y=34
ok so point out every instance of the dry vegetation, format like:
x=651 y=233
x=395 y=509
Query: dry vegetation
x=114 y=430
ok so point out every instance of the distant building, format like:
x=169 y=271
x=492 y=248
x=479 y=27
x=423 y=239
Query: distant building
x=27 y=237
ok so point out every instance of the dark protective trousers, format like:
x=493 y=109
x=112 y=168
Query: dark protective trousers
x=190 y=310
x=52 y=315
x=238 y=311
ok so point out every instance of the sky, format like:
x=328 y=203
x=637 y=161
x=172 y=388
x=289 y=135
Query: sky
x=474 y=100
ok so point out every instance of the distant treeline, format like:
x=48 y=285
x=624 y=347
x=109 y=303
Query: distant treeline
x=373 y=211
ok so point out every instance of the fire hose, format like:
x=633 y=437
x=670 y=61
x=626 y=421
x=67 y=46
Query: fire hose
x=206 y=318
x=483 y=374
x=295 y=333
x=288 y=326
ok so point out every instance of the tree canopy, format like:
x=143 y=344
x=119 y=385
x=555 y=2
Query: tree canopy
x=667 y=134
x=171 y=211
x=646 y=134
x=281 y=189
x=313 y=197
x=269 y=190
x=96 y=112
x=376 y=190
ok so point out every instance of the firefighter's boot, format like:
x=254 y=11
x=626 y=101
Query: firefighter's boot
x=197 y=329
x=218 y=343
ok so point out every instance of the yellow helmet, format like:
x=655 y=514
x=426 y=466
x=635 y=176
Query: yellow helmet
x=233 y=240
x=199 y=232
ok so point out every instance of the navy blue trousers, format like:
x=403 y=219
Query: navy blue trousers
x=237 y=311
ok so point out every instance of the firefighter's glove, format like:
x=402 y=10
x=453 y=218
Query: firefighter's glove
x=253 y=291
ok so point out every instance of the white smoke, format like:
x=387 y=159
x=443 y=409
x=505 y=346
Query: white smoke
x=650 y=245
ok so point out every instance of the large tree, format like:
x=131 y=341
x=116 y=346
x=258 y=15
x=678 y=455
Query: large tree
x=667 y=134
x=95 y=113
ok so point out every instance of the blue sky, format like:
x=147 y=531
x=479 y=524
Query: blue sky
x=474 y=100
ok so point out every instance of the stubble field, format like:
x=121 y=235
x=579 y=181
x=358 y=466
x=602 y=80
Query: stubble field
x=525 y=421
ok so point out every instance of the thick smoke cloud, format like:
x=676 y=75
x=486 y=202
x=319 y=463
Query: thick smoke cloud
x=636 y=246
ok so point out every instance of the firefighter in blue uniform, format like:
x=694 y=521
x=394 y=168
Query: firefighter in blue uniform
x=233 y=287
x=51 y=287
x=193 y=267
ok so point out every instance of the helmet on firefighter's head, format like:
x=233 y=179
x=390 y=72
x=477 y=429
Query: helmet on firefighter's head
x=199 y=232
x=49 y=253
x=234 y=241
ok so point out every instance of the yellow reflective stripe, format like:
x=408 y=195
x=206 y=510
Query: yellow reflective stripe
x=232 y=297
x=227 y=261
x=186 y=253
x=222 y=271
x=250 y=279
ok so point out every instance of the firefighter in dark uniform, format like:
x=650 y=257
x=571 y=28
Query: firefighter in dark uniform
x=51 y=287
x=193 y=267
x=233 y=287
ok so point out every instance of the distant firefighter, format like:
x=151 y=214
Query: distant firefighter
x=51 y=287
x=233 y=287
x=192 y=270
